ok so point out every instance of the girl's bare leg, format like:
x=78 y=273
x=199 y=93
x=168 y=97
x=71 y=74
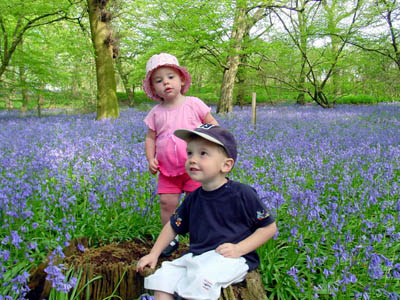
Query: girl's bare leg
x=168 y=204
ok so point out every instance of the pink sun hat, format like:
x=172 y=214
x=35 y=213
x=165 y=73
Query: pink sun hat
x=163 y=60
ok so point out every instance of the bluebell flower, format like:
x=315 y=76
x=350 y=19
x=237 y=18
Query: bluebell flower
x=327 y=272
x=15 y=239
x=375 y=269
x=5 y=255
x=81 y=247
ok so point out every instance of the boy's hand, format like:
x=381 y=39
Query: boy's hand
x=153 y=166
x=229 y=250
x=147 y=260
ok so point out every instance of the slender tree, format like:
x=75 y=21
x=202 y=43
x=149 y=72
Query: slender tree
x=319 y=69
x=23 y=85
x=133 y=18
x=384 y=17
x=302 y=44
x=102 y=38
x=334 y=15
x=233 y=59
x=242 y=24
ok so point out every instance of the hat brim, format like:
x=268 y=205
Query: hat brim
x=185 y=134
x=147 y=88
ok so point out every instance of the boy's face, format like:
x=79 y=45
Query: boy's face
x=207 y=162
x=167 y=83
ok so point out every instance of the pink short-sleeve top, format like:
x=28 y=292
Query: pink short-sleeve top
x=171 y=150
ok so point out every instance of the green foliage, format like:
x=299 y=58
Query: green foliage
x=358 y=99
x=49 y=100
x=140 y=97
x=74 y=294
x=209 y=95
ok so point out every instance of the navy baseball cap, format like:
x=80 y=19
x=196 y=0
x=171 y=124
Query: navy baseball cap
x=212 y=133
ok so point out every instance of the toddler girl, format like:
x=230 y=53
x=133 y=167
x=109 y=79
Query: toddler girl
x=166 y=81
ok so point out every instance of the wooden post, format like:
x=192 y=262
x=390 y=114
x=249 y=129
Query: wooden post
x=253 y=109
x=39 y=105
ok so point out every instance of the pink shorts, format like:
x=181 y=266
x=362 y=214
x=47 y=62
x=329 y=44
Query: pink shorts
x=176 y=184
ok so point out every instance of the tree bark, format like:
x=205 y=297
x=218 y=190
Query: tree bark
x=40 y=101
x=228 y=81
x=242 y=24
x=303 y=52
x=241 y=89
x=394 y=42
x=107 y=102
x=332 y=26
x=251 y=288
x=242 y=75
x=24 y=91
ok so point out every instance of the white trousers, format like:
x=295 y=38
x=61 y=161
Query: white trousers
x=199 y=277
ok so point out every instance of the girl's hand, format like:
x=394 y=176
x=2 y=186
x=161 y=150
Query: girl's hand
x=153 y=166
x=229 y=250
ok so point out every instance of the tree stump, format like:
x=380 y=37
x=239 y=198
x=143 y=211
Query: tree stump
x=251 y=288
x=116 y=264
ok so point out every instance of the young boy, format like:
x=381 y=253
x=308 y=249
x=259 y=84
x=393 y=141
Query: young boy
x=226 y=222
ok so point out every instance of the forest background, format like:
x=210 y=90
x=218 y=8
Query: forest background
x=91 y=55
x=333 y=174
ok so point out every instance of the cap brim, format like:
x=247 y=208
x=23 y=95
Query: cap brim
x=185 y=134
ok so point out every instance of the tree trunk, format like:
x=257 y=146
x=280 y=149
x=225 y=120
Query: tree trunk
x=39 y=105
x=7 y=56
x=107 y=102
x=8 y=103
x=241 y=76
x=320 y=98
x=129 y=90
x=301 y=100
x=76 y=85
x=251 y=288
x=335 y=42
x=241 y=91
x=228 y=81
x=24 y=91
x=303 y=52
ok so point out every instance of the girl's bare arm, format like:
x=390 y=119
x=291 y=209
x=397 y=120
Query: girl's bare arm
x=209 y=119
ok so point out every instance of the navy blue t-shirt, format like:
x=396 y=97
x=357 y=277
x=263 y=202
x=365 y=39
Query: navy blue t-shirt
x=228 y=214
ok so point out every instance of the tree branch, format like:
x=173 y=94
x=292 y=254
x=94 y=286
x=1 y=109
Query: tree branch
x=5 y=37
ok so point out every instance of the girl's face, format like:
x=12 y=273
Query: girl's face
x=167 y=83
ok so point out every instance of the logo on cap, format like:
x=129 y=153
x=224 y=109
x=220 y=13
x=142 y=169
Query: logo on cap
x=206 y=126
